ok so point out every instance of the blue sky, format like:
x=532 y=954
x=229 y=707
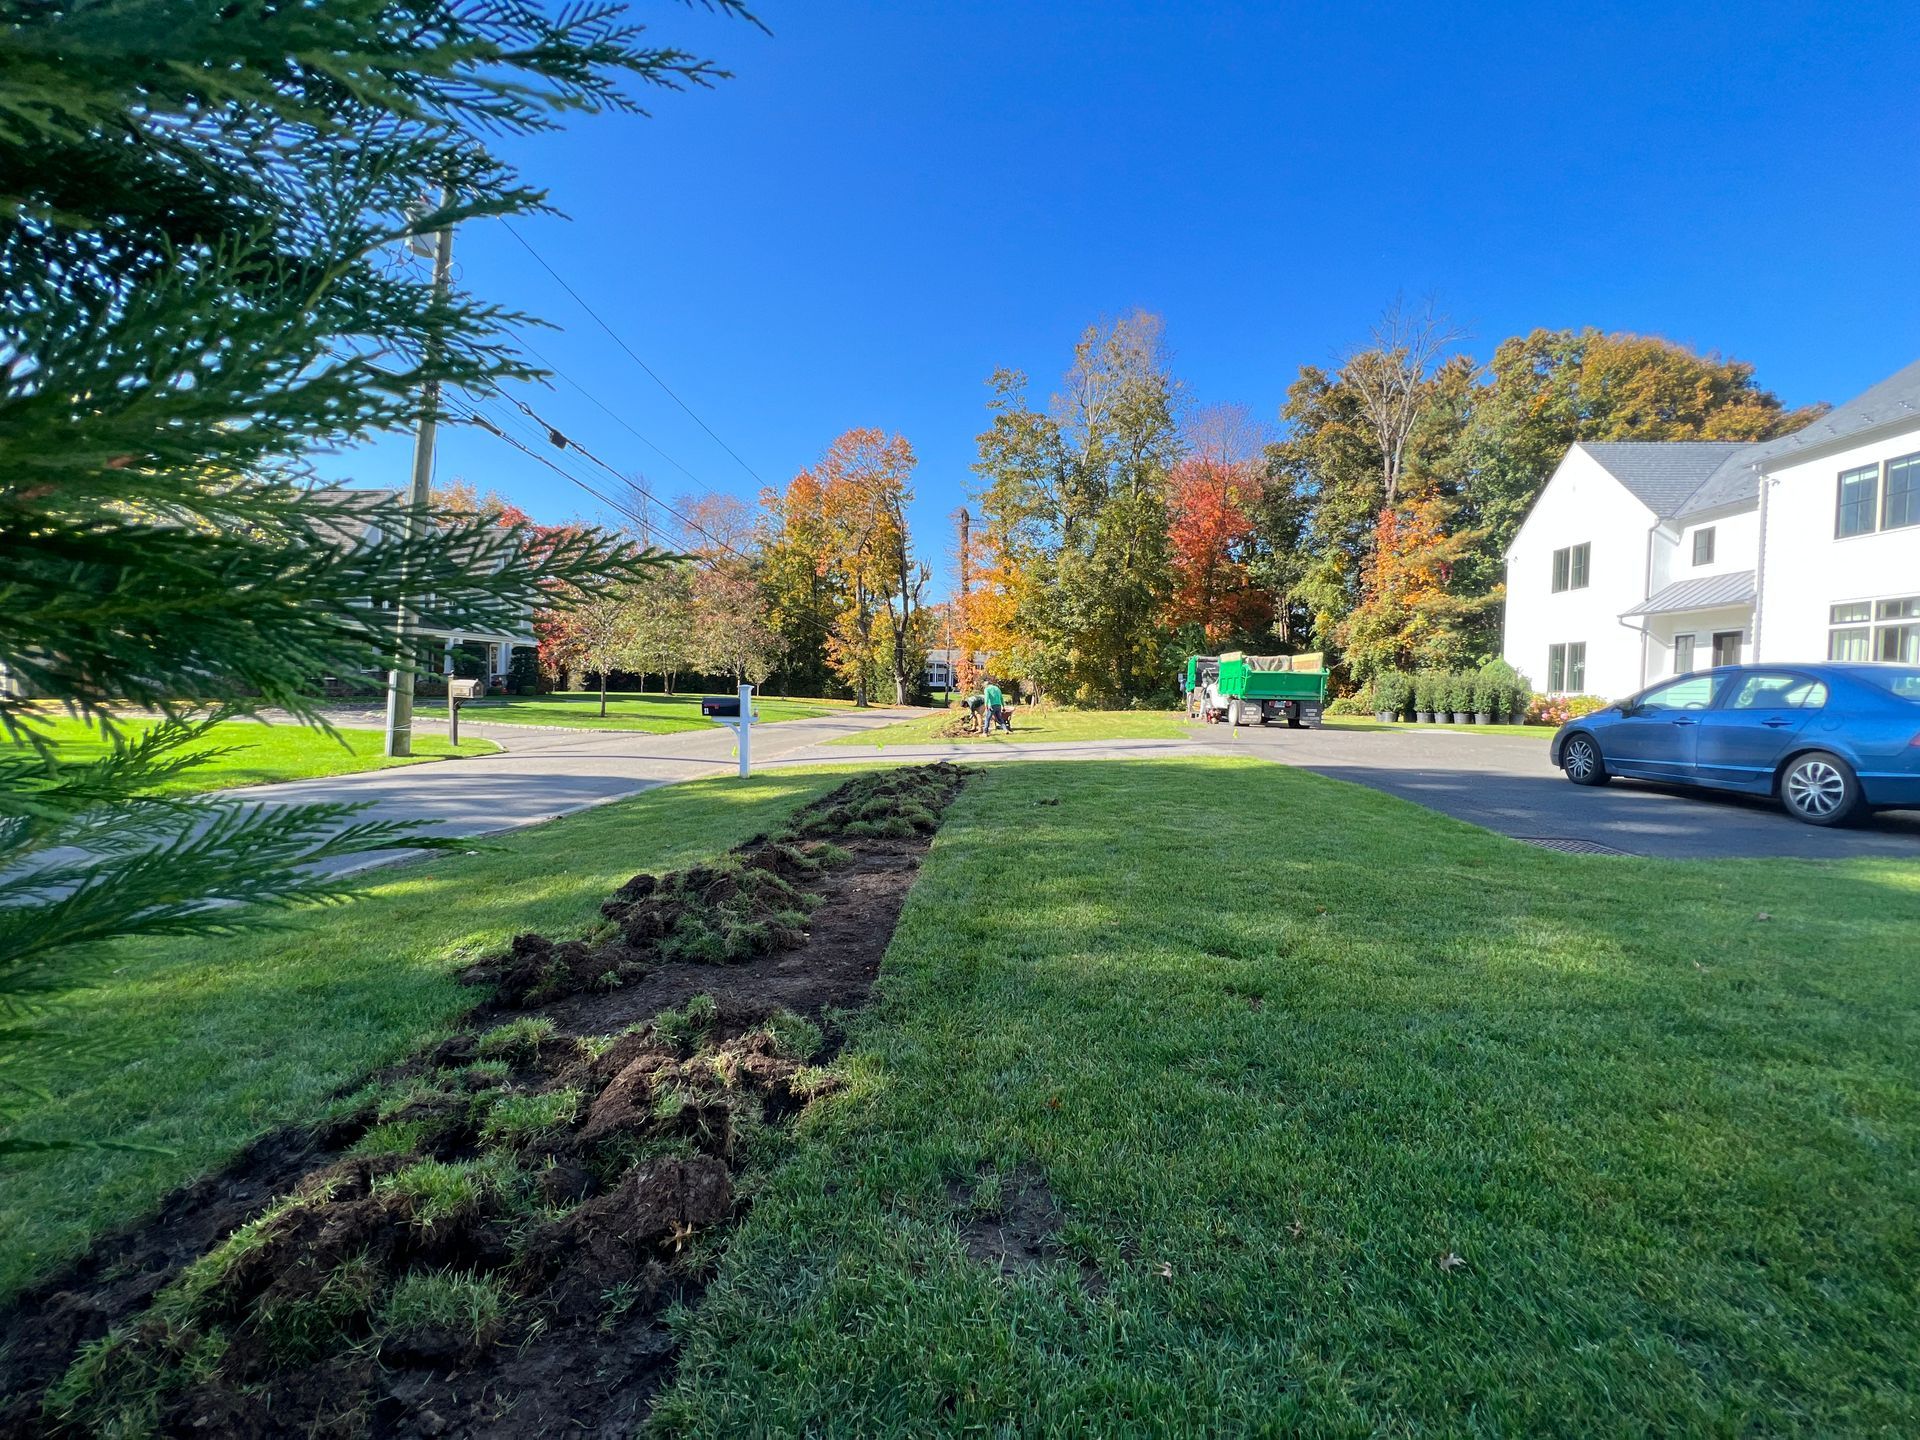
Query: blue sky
x=889 y=201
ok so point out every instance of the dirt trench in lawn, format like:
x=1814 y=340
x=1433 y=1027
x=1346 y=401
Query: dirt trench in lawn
x=490 y=1239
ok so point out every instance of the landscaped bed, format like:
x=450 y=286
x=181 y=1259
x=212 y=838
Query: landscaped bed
x=649 y=714
x=485 y=1238
x=257 y=753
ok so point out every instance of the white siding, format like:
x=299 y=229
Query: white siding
x=1582 y=503
x=1808 y=569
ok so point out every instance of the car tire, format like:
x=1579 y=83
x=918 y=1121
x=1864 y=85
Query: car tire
x=1580 y=758
x=1819 y=788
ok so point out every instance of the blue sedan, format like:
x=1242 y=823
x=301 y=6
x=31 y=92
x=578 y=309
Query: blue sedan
x=1831 y=741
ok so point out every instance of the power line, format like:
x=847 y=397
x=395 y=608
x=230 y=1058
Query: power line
x=561 y=441
x=618 y=418
x=631 y=354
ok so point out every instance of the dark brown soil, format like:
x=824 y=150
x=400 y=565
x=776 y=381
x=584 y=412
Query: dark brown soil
x=567 y=1180
x=1017 y=1230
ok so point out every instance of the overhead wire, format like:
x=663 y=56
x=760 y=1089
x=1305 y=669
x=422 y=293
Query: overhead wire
x=632 y=354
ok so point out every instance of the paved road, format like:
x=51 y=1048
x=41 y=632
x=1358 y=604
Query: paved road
x=1502 y=782
x=543 y=773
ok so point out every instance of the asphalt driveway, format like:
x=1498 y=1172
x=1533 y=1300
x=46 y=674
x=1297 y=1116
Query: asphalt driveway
x=1504 y=783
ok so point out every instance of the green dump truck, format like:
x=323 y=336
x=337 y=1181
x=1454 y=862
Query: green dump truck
x=1236 y=688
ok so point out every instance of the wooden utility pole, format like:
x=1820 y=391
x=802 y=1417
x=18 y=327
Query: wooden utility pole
x=400 y=678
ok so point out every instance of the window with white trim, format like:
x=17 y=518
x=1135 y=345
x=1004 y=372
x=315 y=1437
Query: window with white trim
x=1703 y=546
x=1862 y=630
x=1683 y=646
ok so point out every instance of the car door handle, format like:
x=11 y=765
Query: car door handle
x=1683 y=720
x=1776 y=724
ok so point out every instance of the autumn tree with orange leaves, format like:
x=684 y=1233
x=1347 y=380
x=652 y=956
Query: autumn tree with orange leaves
x=840 y=565
x=1213 y=498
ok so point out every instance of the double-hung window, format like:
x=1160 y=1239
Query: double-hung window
x=1570 y=567
x=1896 y=631
x=1851 y=636
x=1902 y=505
x=1859 y=501
x=1703 y=546
x=1567 y=668
x=1683 y=654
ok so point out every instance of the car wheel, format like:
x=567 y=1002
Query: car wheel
x=1820 y=789
x=1580 y=758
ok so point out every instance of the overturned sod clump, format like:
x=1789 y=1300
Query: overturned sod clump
x=754 y=901
x=485 y=1239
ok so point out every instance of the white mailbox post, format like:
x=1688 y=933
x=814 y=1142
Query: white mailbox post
x=738 y=713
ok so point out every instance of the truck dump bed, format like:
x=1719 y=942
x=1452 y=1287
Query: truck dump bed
x=1273 y=677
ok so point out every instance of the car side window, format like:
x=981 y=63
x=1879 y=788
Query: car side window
x=1695 y=692
x=1778 y=692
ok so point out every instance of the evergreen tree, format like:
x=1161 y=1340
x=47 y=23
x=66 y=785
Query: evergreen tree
x=201 y=209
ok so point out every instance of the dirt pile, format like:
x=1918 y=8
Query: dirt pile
x=484 y=1241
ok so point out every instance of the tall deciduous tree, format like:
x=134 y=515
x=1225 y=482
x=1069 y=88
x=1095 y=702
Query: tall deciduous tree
x=863 y=485
x=201 y=203
x=1214 y=495
x=1074 y=516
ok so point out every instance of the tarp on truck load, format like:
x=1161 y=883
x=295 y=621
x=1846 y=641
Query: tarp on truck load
x=1310 y=661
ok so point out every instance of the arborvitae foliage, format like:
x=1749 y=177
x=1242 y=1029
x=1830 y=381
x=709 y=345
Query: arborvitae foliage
x=204 y=208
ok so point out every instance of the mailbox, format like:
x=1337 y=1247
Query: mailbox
x=463 y=689
x=723 y=707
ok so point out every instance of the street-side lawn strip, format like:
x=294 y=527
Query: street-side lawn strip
x=649 y=714
x=1042 y=725
x=216 y=1041
x=1358 y=1120
x=261 y=753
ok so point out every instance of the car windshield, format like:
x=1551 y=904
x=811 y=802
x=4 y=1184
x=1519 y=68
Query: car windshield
x=1904 y=684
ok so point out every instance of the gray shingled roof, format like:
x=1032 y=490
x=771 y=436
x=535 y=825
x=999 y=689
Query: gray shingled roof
x=1675 y=478
x=1709 y=592
x=1662 y=474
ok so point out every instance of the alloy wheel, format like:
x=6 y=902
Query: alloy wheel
x=1815 y=788
x=1580 y=759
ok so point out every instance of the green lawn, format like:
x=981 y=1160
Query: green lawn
x=1373 y=1123
x=1655 y=1118
x=1362 y=722
x=218 y=1040
x=652 y=714
x=262 y=753
x=1046 y=724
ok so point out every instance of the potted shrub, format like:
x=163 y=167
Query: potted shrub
x=1489 y=696
x=1425 y=685
x=1460 y=697
x=1519 y=699
x=1390 y=694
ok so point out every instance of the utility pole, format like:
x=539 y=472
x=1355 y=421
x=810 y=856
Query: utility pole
x=400 y=678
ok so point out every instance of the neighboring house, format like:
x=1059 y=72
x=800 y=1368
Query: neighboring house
x=941 y=665
x=1646 y=559
x=499 y=645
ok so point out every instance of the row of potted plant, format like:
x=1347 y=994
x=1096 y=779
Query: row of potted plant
x=1494 y=694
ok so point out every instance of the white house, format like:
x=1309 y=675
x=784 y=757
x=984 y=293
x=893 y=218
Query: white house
x=1645 y=559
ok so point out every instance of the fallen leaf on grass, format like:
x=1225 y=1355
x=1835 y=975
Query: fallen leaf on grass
x=1451 y=1262
x=1053 y=1102
x=1296 y=1229
x=1763 y=915
x=1166 y=1271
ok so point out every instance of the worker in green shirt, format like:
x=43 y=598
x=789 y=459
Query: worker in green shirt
x=996 y=708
